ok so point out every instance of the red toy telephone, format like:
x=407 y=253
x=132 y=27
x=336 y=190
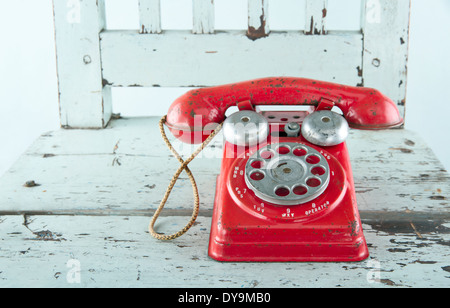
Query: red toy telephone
x=285 y=190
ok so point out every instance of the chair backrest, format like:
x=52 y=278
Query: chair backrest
x=92 y=59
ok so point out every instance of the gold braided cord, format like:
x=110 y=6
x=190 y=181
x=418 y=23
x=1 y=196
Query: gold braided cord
x=173 y=181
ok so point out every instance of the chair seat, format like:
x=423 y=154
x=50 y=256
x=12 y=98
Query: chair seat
x=88 y=195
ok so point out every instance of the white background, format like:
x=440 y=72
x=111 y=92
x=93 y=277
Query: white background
x=28 y=84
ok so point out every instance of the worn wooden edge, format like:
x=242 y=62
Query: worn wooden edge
x=150 y=16
x=123 y=52
x=122 y=170
x=315 y=17
x=84 y=101
x=118 y=251
x=412 y=223
x=203 y=16
x=385 y=25
x=366 y=215
x=258 y=21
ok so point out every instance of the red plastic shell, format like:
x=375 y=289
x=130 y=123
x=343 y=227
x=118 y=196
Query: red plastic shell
x=195 y=114
x=246 y=228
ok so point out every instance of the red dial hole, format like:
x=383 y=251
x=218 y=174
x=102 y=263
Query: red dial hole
x=299 y=152
x=283 y=150
x=282 y=191
x=313 y=182
x=257 y=176
x=266 y=155
x=313 y=159
x=300 y=190
x=318 y=171
x=257 y=164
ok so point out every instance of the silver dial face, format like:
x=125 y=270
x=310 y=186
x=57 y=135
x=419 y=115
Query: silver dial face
x=287 y=173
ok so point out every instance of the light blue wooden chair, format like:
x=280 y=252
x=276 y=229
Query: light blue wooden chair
x=74 y=209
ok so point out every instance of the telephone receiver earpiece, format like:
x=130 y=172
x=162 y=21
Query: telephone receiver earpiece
x=195 y=114
x=325 y=128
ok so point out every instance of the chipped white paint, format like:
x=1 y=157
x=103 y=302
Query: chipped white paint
x=372 y=11
x=117 y=251
x=315 y=17
x=130 y=59
x=385 y=26
x=126 y=168
x=83 y=99
x=258 y=25
x=377 y=58
x=149 y=16
x=74 y=11
x=203 y=13
x=85 y=223
x=98 y=188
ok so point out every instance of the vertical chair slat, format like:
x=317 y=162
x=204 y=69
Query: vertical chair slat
x=385 y=27
x=150 y=16
x=316 y=13
x=203 y=12
x=258 y=25
x=84 y=96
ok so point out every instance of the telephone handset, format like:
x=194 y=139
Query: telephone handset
x=285 y=191
x=363 y=108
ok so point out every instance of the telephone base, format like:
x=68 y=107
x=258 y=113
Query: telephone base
x=291 y=242
x=288 y=252
x=325 y=229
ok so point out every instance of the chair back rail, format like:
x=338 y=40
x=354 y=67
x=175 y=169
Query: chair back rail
x=91 y=59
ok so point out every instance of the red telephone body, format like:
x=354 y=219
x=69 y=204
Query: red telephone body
x=250 y=225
